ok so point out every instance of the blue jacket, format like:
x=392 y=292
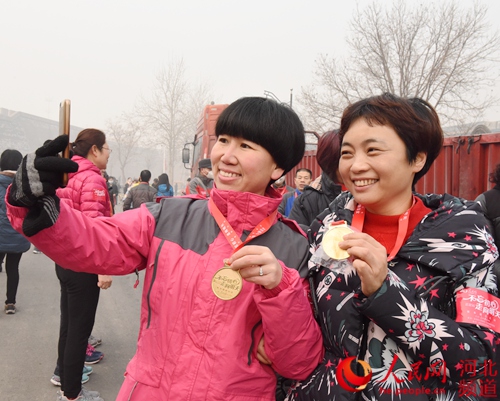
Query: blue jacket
x=10 y=240
x=163 y=191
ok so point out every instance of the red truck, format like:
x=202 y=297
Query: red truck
x=204 y=139
x=462 y=168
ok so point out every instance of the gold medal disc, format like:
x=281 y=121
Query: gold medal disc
x=227 y=283
x=331 y=241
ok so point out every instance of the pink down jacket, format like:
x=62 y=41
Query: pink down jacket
x=86 y=190
x=192 y=345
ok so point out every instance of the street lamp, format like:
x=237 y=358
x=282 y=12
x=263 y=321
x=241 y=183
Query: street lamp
x=274 y=97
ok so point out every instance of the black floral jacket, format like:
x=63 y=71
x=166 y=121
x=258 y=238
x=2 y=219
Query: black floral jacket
x=406 y=331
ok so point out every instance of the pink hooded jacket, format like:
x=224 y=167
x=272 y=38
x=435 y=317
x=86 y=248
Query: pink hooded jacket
x=192 y=345
x=86 y=190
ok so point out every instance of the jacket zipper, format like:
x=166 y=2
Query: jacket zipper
x=153 y=278
x=131 y=391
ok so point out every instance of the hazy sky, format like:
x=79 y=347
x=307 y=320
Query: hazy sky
x=103 y=55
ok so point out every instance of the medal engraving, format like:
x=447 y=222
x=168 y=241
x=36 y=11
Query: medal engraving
x=331 y=240
x=226 y=283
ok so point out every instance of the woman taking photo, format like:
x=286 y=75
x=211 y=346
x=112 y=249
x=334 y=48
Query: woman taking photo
x=86 y=192
x=220 y=273
x=391 y=286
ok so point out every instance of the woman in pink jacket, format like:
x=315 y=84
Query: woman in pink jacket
x=86 y=192
x=221 y=287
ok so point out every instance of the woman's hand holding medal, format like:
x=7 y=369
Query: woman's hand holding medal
x=369 y=258
x=257 y=264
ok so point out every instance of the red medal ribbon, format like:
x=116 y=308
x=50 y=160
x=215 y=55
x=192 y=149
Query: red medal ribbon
x=229 y=232
x=358 y=220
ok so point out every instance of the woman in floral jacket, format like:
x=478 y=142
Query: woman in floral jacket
x=409 y=292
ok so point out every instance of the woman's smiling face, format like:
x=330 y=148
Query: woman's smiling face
x=375 y=168
x=242 y=165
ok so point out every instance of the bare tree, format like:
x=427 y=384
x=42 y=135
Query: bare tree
x=169 y=113
x=440 y=52
x=126 y=136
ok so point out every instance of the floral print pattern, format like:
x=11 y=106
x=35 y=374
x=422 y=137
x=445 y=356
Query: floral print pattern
x=406 y=331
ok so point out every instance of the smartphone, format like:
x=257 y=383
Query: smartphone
x=64 y=128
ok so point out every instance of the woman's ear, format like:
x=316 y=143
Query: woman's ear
x=419 y=162
x=277 y=173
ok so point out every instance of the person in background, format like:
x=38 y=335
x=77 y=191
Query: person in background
x=184 y=192
x=490 y=203
x=113 y=191
x=127 y=185
x=155 y=183
x=393 y=271
x=87 y=193
x=12 y=244
x=303 y=177
x=280 y=186
x=141 y=193
x=202 y=183
x=164 y=187
x=222 y=284
x=314 y=200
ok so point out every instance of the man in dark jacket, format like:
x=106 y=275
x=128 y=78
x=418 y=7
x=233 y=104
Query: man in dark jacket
x=141 y=193
x=314 y=199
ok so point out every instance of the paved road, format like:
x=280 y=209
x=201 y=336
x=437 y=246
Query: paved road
x=28 y=339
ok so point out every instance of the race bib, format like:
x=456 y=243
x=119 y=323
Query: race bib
x=478 y=307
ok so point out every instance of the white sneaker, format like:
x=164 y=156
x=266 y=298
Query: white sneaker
x=85 y=395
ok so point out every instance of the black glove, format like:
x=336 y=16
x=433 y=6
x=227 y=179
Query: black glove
x=41 y=173
x=42 y=215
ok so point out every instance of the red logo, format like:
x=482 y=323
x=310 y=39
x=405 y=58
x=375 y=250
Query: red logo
x=349 y=380
x=99 y=195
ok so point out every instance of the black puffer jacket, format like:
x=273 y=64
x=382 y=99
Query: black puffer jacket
x=313 y=201
x=490 y=201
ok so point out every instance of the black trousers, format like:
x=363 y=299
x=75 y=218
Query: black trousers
x=79 y=298
x=12 y=271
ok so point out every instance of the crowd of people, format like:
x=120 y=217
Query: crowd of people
x=346 y=286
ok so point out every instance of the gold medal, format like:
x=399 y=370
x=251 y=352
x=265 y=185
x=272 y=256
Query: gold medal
x=331 y=240
x=227 y=283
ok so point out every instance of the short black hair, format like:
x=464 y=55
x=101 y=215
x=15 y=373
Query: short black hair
x=10 y=159
x=274 y=126
x=304 y=170
x=145 y=175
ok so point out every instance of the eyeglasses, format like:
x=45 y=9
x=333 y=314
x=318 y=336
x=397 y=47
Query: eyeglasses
x=108 y=149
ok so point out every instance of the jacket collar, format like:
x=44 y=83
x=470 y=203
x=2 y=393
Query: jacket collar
x=244 y=210
x=84 y=164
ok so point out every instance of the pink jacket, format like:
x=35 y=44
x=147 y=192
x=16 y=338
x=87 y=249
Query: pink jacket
x=192 y=345
x=86 y=190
